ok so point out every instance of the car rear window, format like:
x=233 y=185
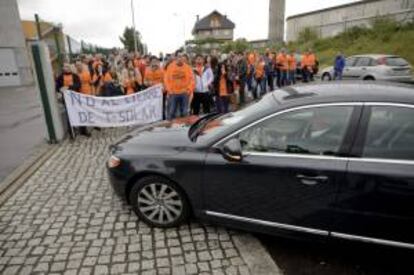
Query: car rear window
x=395 y=61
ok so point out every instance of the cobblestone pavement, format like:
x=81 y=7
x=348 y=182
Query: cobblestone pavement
x=66 y=220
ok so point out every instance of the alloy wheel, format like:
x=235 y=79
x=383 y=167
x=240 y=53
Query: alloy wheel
x=160 y=203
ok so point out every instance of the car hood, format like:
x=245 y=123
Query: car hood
x=162 y=137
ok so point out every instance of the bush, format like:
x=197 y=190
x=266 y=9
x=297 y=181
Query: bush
x=307 y=35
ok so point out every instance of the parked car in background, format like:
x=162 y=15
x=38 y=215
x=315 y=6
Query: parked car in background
x=333 y=160
x=373 y=67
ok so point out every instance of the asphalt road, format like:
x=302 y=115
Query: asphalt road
x=339 y=258
x=21 y=126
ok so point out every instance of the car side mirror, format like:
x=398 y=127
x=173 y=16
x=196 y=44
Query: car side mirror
x=232 y=150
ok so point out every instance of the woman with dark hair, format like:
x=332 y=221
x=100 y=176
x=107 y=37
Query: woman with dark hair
x=224 y=87
x=213 y=63
x=101 y=77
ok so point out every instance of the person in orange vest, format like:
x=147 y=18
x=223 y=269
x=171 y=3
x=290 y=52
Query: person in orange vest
x=100 y=78
x=308 y=65
x=283 y=68
x=260 y=77
x=97 y=61
x=129 y=83
x=179 y=84
x=224 y=87
x=68 y=80
x=125 y=74
x=251 y=61
x=85 y=78
x=292 y=68
x=154 y=74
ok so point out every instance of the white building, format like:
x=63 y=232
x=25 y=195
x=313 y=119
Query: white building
x=332 y=21
x=15 y=67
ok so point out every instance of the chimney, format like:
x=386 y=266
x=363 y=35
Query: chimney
x=198 y=17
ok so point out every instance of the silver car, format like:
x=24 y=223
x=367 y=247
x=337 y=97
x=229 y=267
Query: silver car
x=373 y=67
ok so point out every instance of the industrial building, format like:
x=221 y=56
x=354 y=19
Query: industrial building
x=332 y=21
x=15 y=69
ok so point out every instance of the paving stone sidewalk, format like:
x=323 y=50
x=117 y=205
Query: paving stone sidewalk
x=66 y=220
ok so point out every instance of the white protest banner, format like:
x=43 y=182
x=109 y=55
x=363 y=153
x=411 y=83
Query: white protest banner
x=136 y=109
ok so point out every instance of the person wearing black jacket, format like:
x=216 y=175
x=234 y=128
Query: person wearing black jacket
x=241 y=76
x=68 y=80
x=223 y=86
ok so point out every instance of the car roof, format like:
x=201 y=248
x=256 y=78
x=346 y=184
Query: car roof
x=344 y=91
x=374 y=55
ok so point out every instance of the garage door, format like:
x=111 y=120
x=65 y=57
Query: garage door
x=9 y=73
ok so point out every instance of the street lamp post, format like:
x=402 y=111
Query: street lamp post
x=133 y=27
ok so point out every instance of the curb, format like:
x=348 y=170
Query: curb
x=20 y=175
x=255 y=255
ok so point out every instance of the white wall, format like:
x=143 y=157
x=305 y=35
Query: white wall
x=332 y=22
x=11 y=37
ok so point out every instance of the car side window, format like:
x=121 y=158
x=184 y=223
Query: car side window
x=316 y=131
x=363 y=62
x=390 y=133
x=349 y=62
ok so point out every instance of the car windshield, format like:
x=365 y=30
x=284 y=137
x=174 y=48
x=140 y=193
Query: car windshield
x=396 y=61
x=212 y=125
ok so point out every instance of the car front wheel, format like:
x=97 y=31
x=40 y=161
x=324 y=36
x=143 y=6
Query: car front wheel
x=159 y=202
x=326 y=77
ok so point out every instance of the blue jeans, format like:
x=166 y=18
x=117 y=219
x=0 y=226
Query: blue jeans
x=338 y=75
x=177 y=101
x=292 y=77
x=260 y=82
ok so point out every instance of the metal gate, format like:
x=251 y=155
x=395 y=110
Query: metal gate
x=9 y=73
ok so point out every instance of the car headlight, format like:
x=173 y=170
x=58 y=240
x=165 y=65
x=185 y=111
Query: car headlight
x=114 y=162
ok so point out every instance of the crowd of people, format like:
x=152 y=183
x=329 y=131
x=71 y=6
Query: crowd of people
x=192 y=84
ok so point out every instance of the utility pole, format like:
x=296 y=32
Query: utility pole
x=38 y=28
x=133 y=26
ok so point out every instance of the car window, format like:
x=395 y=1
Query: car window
x=316 y=131
x=363 y=62
x=349 y=62
x=395 y=61
x=214 y=127
x=390 y=133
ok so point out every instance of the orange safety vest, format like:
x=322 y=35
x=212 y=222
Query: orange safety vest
x=282 y=62
x=223 y=86
x=85 y=80
x=67 y=80
x=154 y=77
x=129 y=86
x=291 y=62
x=308 y=60
x=179 y=79
x=260 y=70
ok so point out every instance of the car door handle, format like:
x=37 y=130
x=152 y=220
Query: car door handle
x=312 y=180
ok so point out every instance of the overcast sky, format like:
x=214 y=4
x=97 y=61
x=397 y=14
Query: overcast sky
x=162 y=23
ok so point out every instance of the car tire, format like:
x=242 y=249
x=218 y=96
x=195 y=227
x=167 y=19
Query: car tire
x=369 y=78
x=159 y=202
x=326 y=77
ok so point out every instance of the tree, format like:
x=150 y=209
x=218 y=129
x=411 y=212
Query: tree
x=127 y=39
x=240 y=45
